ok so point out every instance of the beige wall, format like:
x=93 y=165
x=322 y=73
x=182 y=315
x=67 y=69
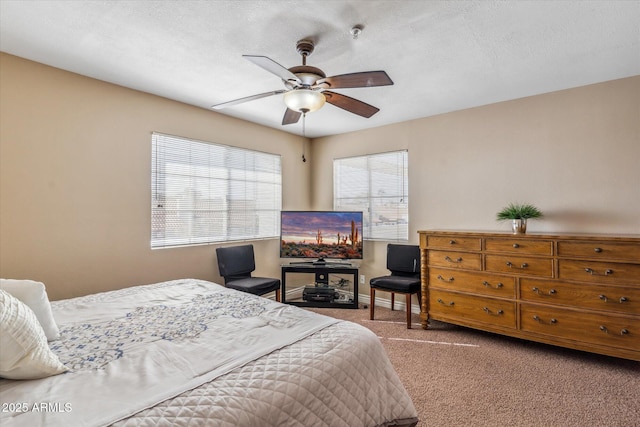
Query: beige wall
x=574 y=153
x=75 y=173
x=75 y=170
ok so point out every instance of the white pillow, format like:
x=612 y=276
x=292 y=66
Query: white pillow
x=35 y=296
x=24 y=352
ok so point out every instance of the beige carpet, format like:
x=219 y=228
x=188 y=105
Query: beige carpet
x=462 y=377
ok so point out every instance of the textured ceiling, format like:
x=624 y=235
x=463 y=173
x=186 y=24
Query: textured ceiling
x=442 y=55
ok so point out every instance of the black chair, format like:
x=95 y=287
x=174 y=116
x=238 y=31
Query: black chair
x=236 y=263
x=403 y=261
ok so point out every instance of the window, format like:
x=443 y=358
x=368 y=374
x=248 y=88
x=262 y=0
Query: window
x=203 y=192
x=376 y=184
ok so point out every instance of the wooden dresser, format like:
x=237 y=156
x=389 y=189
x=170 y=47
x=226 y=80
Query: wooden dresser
x=575 y=291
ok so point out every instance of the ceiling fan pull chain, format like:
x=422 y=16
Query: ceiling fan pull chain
x=304 y=116
x=304 y=135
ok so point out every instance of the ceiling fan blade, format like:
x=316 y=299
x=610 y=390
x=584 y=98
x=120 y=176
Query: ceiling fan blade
x=246 y=99
x=291 y=117
x=273 y=67
x=364 y=79
x=350 y=104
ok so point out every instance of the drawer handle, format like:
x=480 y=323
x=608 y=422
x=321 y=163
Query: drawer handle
x=522 y=266
x=444 y=303
x=607 y=272
x=540 y=292
x=488 y=285
x=450 y=279
x=606 y=331
x=597 y=250
x=622 y=300
x=497 y=313
x=516 y=246
x=538 y=319
x=452 y=242
x=457 y=260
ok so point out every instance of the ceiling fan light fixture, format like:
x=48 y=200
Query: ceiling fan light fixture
x=304 y=100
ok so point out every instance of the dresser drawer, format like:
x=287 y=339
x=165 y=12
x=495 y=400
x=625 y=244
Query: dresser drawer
x=600 y=250
x=520 y=246
x=454 y=243
x=607 y=329
x=478 y=309
x=520 y=265
x=455 y=260
x=599 y=272
x=619 y=299
x=479 y=283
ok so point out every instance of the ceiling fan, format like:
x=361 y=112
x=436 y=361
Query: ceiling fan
x=307 y=87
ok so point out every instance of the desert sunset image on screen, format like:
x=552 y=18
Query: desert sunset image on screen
x=321 y=234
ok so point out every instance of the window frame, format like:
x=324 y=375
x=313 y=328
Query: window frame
x=200 y=189
x=371 y=203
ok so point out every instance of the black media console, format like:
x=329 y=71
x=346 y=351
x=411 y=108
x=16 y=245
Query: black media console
x=326 y=285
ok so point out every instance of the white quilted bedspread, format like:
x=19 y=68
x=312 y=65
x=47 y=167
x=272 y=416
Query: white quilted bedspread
x=339 y=376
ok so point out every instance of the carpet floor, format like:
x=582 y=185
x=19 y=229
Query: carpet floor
x=462 y=377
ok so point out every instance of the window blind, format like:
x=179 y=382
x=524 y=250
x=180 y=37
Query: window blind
x=376 y=184
x=204 y=192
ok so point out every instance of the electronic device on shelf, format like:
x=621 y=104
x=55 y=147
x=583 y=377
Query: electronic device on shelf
x=321 y=237
x=320 y=294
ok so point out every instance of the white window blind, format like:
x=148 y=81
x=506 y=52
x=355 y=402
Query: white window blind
x=203 y=192
x=376 y=184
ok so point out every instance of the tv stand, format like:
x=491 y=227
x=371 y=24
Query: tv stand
x=332 y=264
x=321 y=262
x=322 y=273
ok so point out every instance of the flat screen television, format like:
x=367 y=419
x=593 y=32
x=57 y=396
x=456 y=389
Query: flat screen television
x=321 y=235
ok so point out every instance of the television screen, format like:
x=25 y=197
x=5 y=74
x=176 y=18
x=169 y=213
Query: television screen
x=321 y=235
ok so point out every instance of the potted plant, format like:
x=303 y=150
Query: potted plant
x=519 y=214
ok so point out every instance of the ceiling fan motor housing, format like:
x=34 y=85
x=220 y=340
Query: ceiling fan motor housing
x=308 y=76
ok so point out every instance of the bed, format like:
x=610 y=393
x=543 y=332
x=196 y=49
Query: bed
x=192 y=352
